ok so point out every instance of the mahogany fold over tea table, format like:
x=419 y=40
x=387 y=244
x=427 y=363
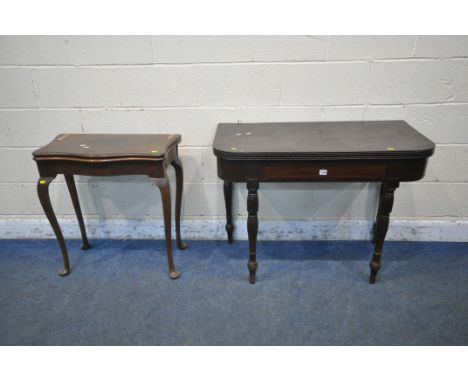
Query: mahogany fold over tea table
x=389 y=152
x=111 y=154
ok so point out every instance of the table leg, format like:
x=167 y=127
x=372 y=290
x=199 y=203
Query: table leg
x=228 y=201
x=252 y=227
x=76 y=205
x=44 y=198
x=179 y=188
x=163 y=185
x=374 y=228
x=381 y=226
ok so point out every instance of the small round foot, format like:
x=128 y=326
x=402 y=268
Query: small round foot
x=182 y=245
x=64 y=272
x=85 y=246
x=374 y=266
x=373 y=276
x=174 y=275
x=252 y=267
x=229 y=228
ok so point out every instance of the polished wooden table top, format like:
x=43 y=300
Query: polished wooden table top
x=105 y=146
x=322 y=140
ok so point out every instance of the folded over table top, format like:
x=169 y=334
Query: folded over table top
x=370 y=139
x=108 y=146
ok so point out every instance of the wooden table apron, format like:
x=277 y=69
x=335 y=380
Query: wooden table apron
x=155 y=168
x=390 y=172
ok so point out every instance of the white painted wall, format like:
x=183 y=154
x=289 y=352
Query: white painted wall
x=186 y=85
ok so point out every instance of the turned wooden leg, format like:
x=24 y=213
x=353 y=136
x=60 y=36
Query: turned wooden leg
x=228 y=202
x=179 y=188
x=381 y=226
x=76 y=205
x=43 y=193
x=163 y=185
x=378 y=212
x=252 y=227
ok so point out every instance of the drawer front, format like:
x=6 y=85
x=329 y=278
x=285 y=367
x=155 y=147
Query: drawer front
x=324 y=171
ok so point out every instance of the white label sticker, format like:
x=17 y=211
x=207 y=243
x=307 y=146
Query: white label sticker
x=323 y=171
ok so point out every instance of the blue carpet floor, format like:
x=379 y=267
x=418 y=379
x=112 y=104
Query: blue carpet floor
x=307 y=293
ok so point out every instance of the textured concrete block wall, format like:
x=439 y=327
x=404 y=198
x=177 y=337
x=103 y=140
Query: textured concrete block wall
x=142 y=84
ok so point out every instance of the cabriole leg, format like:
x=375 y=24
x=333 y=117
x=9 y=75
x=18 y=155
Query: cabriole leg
x=44 y=198
x=76 y=205
x=163 y=185
x=179 y=188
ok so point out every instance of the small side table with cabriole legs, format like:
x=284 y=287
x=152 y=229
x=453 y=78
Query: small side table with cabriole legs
x=105 y=155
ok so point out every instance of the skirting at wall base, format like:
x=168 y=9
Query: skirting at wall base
x=405 y=230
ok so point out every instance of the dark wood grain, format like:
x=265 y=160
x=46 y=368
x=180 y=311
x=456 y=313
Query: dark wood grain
x=252 y=227
x=389 y=152
x=44 y=199
x=176 y=163
x=109 y=155
x=381 y=226
x=164 y=188
x=331 y=171
x=321 y=140
x=100 y=147
x=228 y=202
x=76 y=205
x=241 y=170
